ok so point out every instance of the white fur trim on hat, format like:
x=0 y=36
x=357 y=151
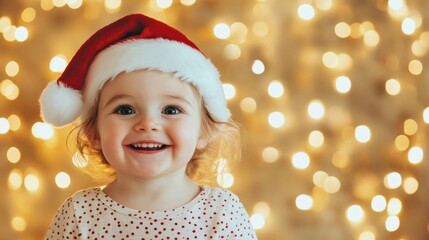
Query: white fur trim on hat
x=183 y=61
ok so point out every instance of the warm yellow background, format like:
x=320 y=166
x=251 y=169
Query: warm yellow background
x=355 y=185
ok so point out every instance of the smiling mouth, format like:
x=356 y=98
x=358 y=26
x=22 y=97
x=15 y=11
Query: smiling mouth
x=147 y=146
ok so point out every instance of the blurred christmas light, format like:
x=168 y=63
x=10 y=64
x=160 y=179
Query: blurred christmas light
x=393 y=87
x=13 y=155
x=188 y=2
x=362 y=133
x=355 y=30
x=304 y=202
x=31 y=182
x=4 y=24
x=402 y=142
x=394 y=206
x=316 y=110
x=367 y=235
x=344 y=61
x=393 y=180
x=12 y=69
x=371 y=38
x=415 y=155
x=14 y=122
x=270 y=154
x=275 y=89
x=21 y=34
x=410 y=127
x=319 y=178
x=248 y=105
x=408 y=26
x=410 y=185
x=258 y=67
x=9 y=33
x=300 y=160
x=62 y=180
x=19 y=224
x=229 y=90
x=225 y=180
x=9 y=90
x=306 y=11
x=15 y=179
x=316 y=139
x=342 y=30
x=114 y=5
x=42 y=130
x=74 y=4
x=232 y=51
x=355 y=214
x=46 y=5
x=332 y=184
x=324 y=5
x=238 y=32
x=341 y=159
x=222 y=31
x=59 y=3
x=415 y=67
x=419 y=48
x=257 y=221
x=378 y=203
x=58 y=63
x=343 y=84
x=330 y=59
x=4 y=126
x=392 y=223
x=262 y=208
x=426 y=115
x=164 y=4
x=395 y=4
x=276 y=119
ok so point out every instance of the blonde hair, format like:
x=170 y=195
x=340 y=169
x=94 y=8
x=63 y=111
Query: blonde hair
x=222 y=151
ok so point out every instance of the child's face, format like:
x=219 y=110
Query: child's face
x=149 y=124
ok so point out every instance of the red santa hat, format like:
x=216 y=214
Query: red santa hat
x=134 y=42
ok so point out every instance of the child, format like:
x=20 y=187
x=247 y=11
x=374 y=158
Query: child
x=153 y=114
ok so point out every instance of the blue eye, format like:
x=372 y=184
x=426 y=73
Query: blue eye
x=124 y=110
x=171 y=110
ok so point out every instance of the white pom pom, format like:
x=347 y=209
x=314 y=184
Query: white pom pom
x=60 y=105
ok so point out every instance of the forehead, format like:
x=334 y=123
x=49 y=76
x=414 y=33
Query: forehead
x=149 y=83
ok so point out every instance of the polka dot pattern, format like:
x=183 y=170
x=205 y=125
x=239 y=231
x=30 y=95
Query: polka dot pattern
x=90 y=214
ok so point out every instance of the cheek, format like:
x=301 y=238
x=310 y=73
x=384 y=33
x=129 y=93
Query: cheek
x=109 y=133
x=187 y=134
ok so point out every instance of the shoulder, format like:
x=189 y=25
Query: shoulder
x=223 y=197
x=216 y=192
x=86 y=193
x=81 y=197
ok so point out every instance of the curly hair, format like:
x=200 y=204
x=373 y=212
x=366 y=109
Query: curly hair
x=223 y=146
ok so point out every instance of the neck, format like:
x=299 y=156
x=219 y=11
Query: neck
x=157 y=194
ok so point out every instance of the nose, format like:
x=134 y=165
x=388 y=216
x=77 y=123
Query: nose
x=147 y=123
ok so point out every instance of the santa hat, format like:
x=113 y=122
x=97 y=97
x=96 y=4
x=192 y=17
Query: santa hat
x=132 y=43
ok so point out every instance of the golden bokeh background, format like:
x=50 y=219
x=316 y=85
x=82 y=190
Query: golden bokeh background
x=332 y=95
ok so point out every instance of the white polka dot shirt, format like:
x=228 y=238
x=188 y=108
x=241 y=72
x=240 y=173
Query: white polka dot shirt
x=90 y=214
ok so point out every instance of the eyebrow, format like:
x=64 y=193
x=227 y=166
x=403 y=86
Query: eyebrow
x=180 y=98
x=122 y=96
x=115 y=98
